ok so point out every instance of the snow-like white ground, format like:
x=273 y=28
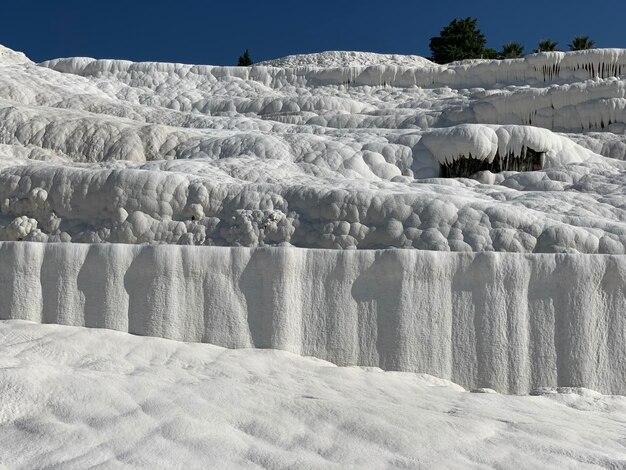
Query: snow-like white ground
x=75 y=398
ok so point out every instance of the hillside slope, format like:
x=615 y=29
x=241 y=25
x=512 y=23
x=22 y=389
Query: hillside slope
x=335 y=157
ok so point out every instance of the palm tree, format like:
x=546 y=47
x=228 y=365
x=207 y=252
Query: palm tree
x=580 y=43
x=546 y=45
x=512 y=50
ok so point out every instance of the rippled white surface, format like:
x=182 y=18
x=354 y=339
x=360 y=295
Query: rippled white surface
x=76 y=398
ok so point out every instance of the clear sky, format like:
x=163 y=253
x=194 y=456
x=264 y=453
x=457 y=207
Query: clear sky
x=210 y=32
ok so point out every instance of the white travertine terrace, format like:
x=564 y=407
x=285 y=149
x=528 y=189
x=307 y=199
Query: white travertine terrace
x=508 y=321
x=319 y=156
x=340 y=151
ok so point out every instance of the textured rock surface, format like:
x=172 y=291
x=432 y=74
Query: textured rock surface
x=336 y=150
x=511 y=322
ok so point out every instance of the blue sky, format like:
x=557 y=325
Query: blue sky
x=209 y=32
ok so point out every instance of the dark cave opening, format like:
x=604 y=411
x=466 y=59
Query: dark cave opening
x=464 y=167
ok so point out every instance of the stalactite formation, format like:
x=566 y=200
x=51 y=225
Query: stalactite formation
x=464 y=167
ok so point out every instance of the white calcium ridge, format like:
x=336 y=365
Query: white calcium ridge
x=329 y=59
x=506 y=321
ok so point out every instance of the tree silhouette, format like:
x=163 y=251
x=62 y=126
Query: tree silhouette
x=512 y=50
x=546 y=45
x=490 y=53
x=457 y=41
x=580 y=43
x=245 y=60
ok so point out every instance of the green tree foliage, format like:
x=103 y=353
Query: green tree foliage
x=245 y=60
x=580 y=43
x=490 y=53
x=461 y=39
x=546 y=45
x=512 y=50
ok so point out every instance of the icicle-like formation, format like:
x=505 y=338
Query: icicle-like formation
x=527 y=160
x=570 y=107
x=500 y=320
x=468 y=148
x=570 y=92
x=541 y=67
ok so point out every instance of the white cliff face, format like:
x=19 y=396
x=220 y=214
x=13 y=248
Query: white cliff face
x=506 y=321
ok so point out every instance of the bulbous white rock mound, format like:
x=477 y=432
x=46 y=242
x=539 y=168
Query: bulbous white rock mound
x=330 y=59
x=336 y=150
